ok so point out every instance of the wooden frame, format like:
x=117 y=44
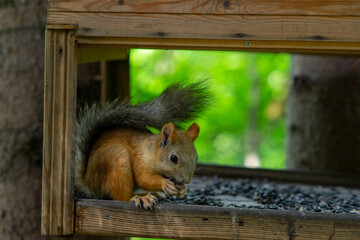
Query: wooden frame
x=304 y=26
x=59 y=128
x=317 y=26
x=99 y=217
x=104 y=217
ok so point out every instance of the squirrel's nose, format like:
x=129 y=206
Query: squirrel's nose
x=188 y=180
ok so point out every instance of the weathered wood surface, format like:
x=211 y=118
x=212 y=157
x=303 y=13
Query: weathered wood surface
x=319 y=26
x=257 y=7
x=294 y=176
x=249 y=27
x=296 y=34
x=59 y=129
x=316 y=47
x=178 y=221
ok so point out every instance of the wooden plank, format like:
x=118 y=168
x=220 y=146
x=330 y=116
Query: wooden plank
x=115 y=80
x=102 y=217
x=230 y=27
x=257 y=7
x=294 y=176
x=318 y=47
x=59 y=128
x=61 y=27
x=98 y=54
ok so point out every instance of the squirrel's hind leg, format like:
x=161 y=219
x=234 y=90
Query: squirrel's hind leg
x=109 y=172
x=120 y=180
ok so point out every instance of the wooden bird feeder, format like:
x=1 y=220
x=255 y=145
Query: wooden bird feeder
x=89 y=30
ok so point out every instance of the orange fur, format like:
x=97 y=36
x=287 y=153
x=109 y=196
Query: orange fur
x=123 y=159
x=109 y=173
x=193 y=131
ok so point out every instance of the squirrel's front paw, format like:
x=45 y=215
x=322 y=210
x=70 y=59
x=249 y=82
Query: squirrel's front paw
x=147 y=202
x=169 y=188
x=182 y=189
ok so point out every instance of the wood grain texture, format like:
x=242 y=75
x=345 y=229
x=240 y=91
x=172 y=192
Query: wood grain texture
x=295 y=176
x=257 y=7
x=330 y=33
x=61 y=27
x=167 y=26
x=224 y=27
x=59 y=129
x=317 y=47
x=101 y=217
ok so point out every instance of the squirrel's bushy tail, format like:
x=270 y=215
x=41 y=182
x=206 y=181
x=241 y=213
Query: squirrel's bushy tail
x=179 y=103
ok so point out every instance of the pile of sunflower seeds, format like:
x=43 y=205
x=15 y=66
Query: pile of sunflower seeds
x=264 y=194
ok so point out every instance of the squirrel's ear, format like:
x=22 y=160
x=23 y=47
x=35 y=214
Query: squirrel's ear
x=193 y=131
x=168 y=135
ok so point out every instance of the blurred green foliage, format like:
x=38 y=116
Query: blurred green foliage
x=248 y=112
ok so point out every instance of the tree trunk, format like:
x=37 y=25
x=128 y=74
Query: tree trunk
x=323 y=114
x=252 y=159
x=21 y=103
x=22 y=28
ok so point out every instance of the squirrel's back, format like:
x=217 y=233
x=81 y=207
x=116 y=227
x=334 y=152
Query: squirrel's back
x=179 y=103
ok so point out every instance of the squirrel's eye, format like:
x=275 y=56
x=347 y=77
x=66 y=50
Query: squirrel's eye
x=174 y=159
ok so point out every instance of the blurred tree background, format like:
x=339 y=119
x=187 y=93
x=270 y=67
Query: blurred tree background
x=245 y=127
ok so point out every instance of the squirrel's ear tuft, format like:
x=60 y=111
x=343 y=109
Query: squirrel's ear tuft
x=168 y=135
x=193 y=131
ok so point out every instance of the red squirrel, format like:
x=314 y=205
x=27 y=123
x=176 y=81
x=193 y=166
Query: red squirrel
x=117 y=157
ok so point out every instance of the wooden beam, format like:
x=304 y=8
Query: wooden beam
x=224 y=27
x=317 y=47
x=59 y=128
x=256 y=7
x=102 y=217
x=61 y=27
x=293 y=176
